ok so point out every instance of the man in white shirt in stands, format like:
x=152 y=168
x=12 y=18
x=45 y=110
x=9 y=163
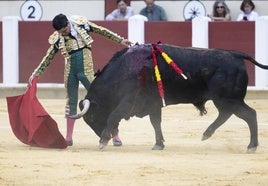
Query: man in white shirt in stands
x=123 y=12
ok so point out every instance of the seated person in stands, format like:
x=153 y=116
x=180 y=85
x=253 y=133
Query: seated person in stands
x=221 y=12
x=153 y=12
x=248 y=14
x=123 y=12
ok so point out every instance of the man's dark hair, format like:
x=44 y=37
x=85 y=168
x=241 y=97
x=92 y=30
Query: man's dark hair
x=60 y=21
x=242 y=7
x=118 y=1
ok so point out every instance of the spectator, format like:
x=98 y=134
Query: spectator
x=221 y=12
x=123 y=12
x=248 y=14
x=153 y=12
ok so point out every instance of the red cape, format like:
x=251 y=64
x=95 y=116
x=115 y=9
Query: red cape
x=30 y=123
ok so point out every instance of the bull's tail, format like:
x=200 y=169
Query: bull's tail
x=249 y=58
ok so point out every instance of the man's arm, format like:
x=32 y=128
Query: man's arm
x=40 y=69
x=163 y=14
x=105 y=32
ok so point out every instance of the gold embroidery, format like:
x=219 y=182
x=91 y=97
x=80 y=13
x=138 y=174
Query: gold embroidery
x=67 y=71
x=106 y=33
x=87 y=39
x=53 y=38
x=88 y=65
x=80 y=20
x=62 y=47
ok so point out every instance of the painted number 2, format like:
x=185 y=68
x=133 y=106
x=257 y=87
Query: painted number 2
x=31 y=10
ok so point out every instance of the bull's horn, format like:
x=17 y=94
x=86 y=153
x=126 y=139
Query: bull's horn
x=86 y=105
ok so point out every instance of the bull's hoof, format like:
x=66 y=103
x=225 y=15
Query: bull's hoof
x=207 y=134
x=205 y=137
x=157 y=147
x=251 y=150
x=102 y=145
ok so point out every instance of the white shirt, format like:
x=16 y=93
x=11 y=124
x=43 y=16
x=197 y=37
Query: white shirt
x=250 y=17
x=116 y=14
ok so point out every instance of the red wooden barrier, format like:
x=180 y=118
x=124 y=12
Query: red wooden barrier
x=33 y=44
x=235 y=36
x=175 y=33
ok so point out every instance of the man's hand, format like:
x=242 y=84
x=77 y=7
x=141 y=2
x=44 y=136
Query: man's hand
x=31 y=79
x=126 y=42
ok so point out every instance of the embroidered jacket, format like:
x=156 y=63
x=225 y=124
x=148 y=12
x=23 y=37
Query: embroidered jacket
x=80 y=38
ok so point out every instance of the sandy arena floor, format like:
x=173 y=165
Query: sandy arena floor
x=186 y=160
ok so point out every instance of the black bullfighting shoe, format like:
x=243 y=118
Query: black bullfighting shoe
x=69 y=143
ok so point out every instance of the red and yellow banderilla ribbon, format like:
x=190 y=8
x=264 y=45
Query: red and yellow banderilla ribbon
x=158 y=78
x=169 y=61
x=157 y=72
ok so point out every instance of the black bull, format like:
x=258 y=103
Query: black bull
x=127 y=87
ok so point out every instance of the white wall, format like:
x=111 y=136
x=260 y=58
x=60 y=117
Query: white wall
x=94 y=9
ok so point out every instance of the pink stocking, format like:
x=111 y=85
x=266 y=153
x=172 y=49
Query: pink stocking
x=70 y=128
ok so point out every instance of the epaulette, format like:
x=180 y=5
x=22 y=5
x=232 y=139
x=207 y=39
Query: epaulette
x=80 y=20
x=54 y=38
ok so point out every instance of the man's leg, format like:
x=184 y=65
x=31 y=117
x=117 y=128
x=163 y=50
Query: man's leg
x=70 y=128
x=71 y=109
x=71 y=84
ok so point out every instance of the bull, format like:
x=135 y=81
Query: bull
x=127 y=87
